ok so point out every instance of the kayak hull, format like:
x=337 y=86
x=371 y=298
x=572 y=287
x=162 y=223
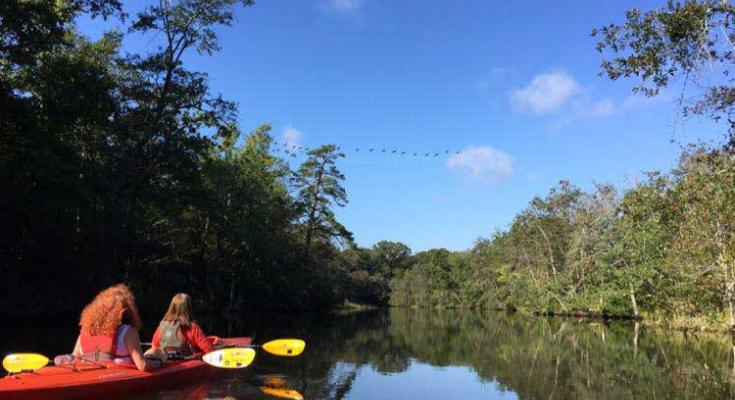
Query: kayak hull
x=87 y=380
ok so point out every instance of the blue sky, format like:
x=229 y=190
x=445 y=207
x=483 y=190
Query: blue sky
x=512 y=85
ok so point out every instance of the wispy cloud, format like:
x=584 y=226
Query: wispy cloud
x=482 y=164
x=545 y=94
x=496 y=74
x=343 y=6
x=292 y=137
x=559 y=93
x=602 y=108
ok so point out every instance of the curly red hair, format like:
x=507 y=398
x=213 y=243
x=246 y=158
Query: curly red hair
x=111 y=308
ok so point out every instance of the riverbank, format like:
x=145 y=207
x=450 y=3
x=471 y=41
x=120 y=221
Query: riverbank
x=348 y=307
x=713 y=323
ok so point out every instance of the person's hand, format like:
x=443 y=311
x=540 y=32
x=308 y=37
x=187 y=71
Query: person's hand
x=163 y=357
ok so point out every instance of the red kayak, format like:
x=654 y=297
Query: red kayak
x=87 y=380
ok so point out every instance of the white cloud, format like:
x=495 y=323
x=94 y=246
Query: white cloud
x=546 y=93
x=602 y=108
x=558 y=93
x=483 y=164
x=344 y=6
x=292 y=137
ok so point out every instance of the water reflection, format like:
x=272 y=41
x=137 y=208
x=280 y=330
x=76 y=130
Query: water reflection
x=410 y=354
x=404 y=353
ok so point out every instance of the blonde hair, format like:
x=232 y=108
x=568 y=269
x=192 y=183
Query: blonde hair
x=179 y=310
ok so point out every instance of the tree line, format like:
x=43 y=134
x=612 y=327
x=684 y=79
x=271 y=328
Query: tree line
x=123 y=166
x=662 y=249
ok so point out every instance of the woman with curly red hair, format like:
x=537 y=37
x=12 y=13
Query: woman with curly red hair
x=109 y=331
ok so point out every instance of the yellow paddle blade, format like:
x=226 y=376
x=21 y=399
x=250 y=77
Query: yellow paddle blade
x=19 y=362
x=236 y=357
x=285 y=347
x=282 y=393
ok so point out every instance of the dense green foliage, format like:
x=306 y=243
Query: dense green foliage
x=125 y=167
x=369 y=271
x=665 y=246
x=684 y=40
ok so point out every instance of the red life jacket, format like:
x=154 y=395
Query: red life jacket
x=97 y=343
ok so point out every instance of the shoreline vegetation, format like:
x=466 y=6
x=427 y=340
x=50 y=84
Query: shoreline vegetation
x=677 y=323
x=124 y=167
x=661 y=252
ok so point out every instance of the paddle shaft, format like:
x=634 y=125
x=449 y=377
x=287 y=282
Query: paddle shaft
x=149 y=344
x=278 y=347
x=288 y=351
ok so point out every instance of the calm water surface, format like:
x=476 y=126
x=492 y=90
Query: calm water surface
x=420 y=354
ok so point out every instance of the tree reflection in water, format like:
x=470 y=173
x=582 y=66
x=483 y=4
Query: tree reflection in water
x=399 y=353
x=536 y=358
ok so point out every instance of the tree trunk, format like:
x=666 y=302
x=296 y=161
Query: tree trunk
x=231 y=303
x=635 y=337
x=633 y=302
x=312 y=211
x=729 y=274
x=551 y=250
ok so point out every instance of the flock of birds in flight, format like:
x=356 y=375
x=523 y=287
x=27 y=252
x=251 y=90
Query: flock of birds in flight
x=292 y=150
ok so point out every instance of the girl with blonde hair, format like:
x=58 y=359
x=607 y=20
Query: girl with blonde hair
x=178 y=332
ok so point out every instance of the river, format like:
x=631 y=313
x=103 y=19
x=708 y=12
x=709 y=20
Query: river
x=448 y=354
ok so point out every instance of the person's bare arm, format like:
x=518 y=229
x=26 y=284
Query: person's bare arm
x=154 y=350
x=77 y=352
x=132 y=342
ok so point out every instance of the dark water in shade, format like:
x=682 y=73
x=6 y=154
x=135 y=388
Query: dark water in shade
x=422 y=354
